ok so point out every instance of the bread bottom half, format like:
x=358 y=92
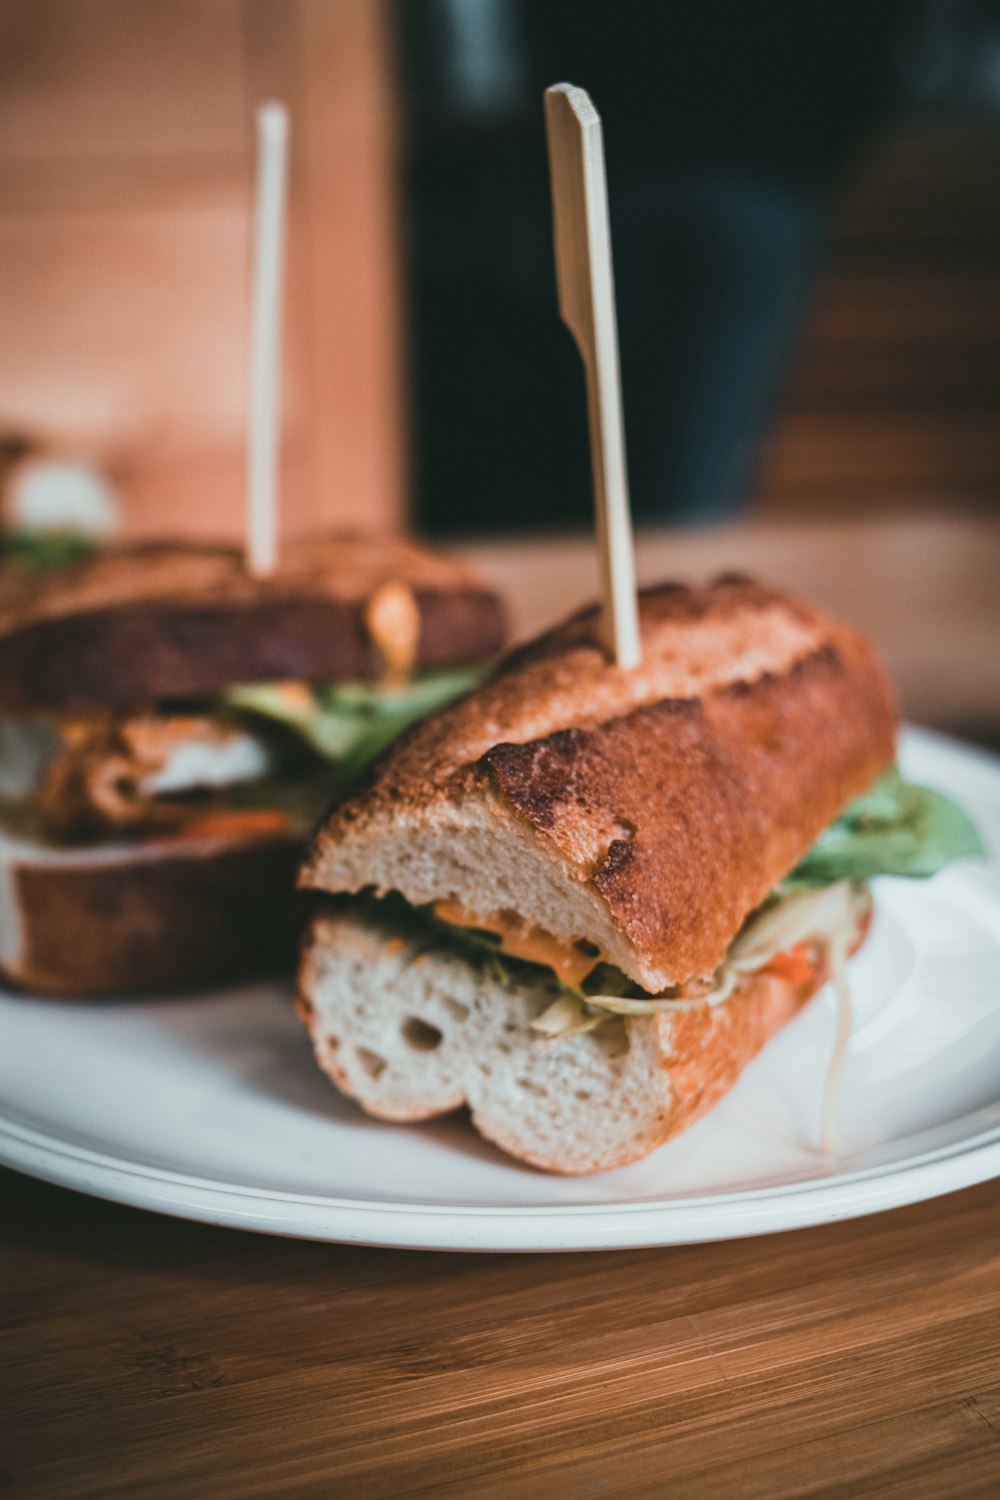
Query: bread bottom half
x=136 y=919
x=411 y=1032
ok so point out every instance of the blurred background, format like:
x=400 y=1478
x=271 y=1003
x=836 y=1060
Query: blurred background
x=805 y=200
x=806 y=207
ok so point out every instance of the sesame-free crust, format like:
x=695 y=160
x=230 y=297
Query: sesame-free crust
x=144 y=622
x=664 y=803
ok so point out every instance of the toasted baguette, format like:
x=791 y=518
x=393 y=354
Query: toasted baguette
x=142 y=622
x=411 y=1033
x=143 y=918
x=648 y=811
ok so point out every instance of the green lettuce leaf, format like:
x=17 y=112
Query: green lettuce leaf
x=44 y=551
x=896 y=828
x=349 y=723
x=344 y=725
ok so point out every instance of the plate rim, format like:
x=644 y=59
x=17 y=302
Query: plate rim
x=556 y=1227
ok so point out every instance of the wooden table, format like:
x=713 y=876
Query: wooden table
x=147 y=1357
x=154 y=1358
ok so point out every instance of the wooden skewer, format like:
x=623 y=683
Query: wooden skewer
x=261 y=536
x=587 y=305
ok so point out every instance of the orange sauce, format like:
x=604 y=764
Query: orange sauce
x=237 y=823
x=524 y=940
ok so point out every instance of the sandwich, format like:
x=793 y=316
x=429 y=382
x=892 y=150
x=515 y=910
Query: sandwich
x=579 y=900
x=171 y=728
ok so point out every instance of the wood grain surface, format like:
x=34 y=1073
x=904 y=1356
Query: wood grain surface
x=149 y=1357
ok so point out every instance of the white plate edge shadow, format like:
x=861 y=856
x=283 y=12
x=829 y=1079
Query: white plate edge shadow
x=485 y=1227
x=531 y=1227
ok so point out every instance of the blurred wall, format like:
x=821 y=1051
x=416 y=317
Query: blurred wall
x=893 y=396
x=126 y=154
x=125 y=178
x=805 y=206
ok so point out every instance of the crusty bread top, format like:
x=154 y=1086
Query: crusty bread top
x=673 y=797
x=142 y=621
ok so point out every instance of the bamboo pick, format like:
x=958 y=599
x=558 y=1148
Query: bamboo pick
x=587 y=305
x=263 y=445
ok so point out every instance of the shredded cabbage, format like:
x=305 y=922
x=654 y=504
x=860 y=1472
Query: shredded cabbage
x=896 y=828
x=829 y=916
x=837 y=952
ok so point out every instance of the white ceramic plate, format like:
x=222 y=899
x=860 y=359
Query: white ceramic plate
x=211 y=1107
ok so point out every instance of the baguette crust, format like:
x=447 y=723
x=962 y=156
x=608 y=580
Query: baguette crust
x=411 y=1035
x=668 y=801
x=142 y=622
x=147 y=918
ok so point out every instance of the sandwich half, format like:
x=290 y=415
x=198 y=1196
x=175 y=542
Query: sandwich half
x=171 y=729
x=580 y=900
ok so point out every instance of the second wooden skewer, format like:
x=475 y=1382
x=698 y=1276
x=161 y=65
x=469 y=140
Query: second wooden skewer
x=264 y=417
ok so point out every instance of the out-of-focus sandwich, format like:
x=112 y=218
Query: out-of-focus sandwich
x=581 y=899
x=171 y=728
